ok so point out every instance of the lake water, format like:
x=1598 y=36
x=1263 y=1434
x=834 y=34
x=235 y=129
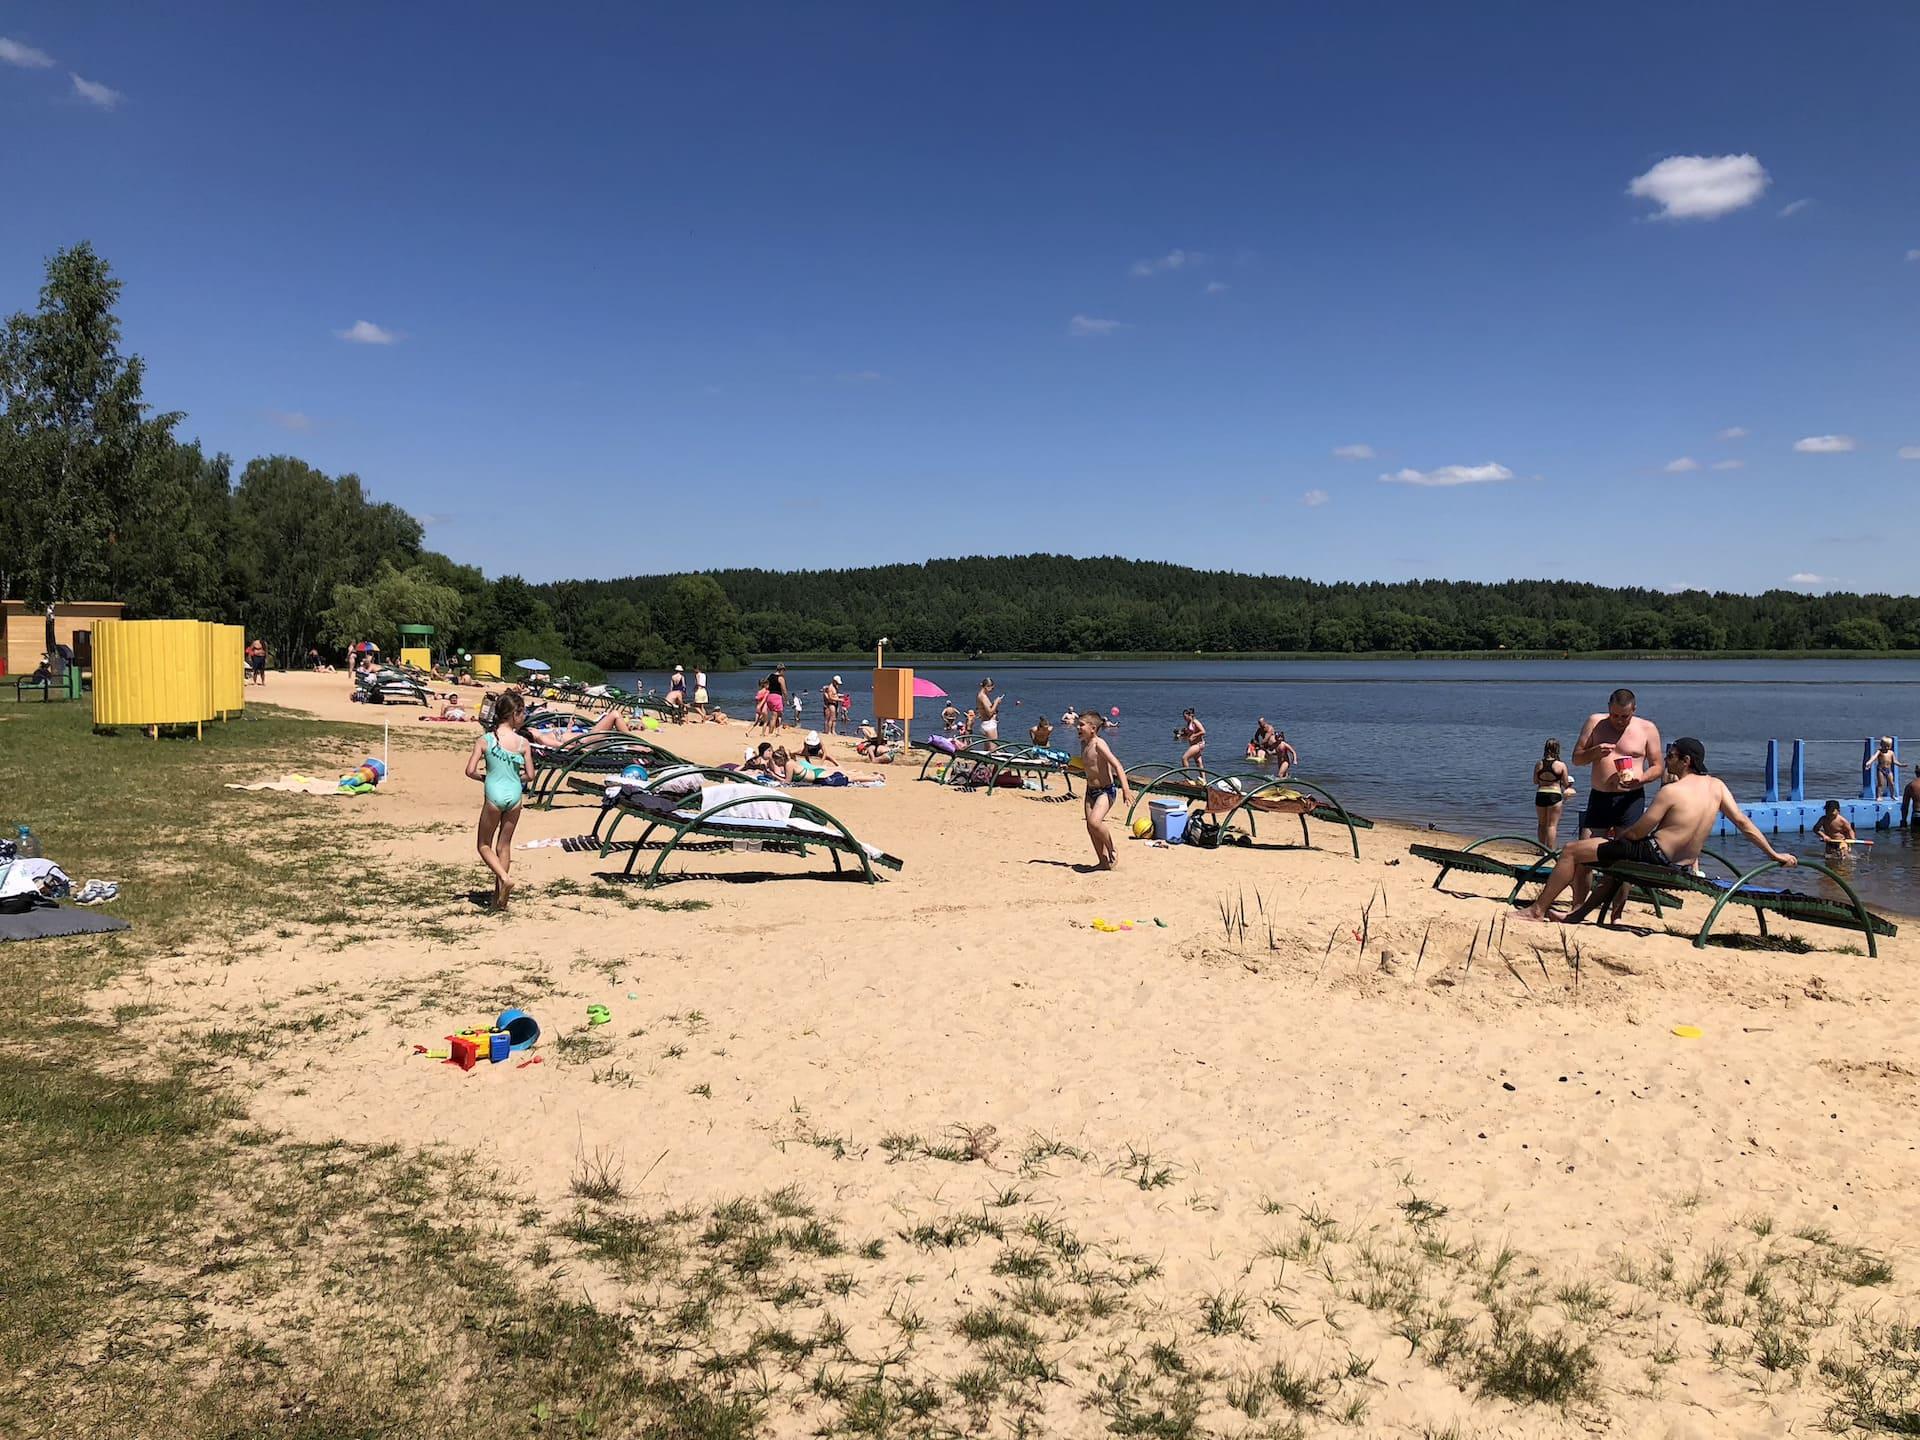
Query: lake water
x=1452 y=743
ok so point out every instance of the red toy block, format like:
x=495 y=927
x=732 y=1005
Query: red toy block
x=465 y=1051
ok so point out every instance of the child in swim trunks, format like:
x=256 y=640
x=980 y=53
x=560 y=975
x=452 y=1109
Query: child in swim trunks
x=503 y=761
x=1836 y=830
x=1106 y=780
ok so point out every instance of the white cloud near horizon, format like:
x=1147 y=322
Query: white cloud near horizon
x=1172 y=260
x=1729 y=464
x=1701 y=187
x=1807 y=577
x=291 y=419
x=1314 y=499
x=1793 y=207
x=1909 y=452
x=1824 y=445
x=1089 y=325
x=1353 y=452
x=94 y=93
x=14 y=52
x=1450 y=475
x=1681 y=466
x=1734 y=432
x=365 y=332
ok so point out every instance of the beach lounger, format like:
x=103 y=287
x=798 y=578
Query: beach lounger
x=1532 y=871
x=604 y=753
x=771 y=821
x=677 y=783
x=1739 y=889
x=1246 y=796
x=984 y=765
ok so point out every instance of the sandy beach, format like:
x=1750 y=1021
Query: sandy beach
x=1277 y=1146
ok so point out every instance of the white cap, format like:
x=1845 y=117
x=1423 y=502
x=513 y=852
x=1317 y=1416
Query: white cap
x=813 y=737
x=836 y=679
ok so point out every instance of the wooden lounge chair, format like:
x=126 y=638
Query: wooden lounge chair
x=1849 y=914
x=802 y=827
x=1531 y=871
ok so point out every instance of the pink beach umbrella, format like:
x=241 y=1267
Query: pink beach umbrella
x=927 y=690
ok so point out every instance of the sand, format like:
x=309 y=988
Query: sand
x=1272 y=1080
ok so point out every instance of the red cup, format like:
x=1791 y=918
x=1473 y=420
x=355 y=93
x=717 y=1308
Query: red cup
x=1623 y=763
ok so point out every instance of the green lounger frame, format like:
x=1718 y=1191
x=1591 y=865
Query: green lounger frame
x=595 y=752
x=1016 y=756
x=1813 y=909
x=1190 y=782
x=610 y=809
x=709 y=824
x=1534 y=872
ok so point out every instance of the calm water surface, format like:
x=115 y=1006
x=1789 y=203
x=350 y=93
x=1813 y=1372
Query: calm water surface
x=1452 y=743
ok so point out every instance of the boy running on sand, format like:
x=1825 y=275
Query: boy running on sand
x=1106 y=778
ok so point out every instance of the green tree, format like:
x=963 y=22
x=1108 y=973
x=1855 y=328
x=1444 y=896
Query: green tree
x=171 y=557
x=376 y=610
x=72 y=434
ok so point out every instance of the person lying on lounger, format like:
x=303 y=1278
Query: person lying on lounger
x=1671 y=832
x=813 y=766
x=607 y=724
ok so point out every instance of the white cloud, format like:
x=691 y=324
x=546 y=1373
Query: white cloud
x=94 y=93
x=25 y=56
x=1314 y=498
x=1701 y=187
x=864 y=377
x=1807 y=577
x=1910 y=452
x=1913 y=255
x=1218 y=287
x=1172 y=260
x=1734 y=432
x=1088 y=325
x=1353 y=452
x=1682 y=465
x=1824 y=445
x=365 y=332
x=1448 y=475
x=291 y=419
x=1728 y=464
x=1793 y=208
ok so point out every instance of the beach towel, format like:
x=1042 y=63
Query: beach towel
x=777 y=811
x=294 y=785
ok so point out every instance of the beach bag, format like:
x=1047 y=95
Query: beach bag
x=1203 y=830
x=943 y=743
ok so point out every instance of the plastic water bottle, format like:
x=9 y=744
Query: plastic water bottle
x=29 y=848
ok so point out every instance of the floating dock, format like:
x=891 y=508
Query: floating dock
x=1797 y=813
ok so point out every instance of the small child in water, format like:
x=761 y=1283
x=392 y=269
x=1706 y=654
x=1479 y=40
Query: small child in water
x=1836 y=830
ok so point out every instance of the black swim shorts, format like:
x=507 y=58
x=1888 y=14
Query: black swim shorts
x=1613 y=809
x=1646 y=851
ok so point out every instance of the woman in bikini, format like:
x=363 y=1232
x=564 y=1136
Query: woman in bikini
x=1195 y=734
x=503 y=762
x=1106 y=780
x=1551 y=786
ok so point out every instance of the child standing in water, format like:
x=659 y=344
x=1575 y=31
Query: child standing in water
x=1106 y=778
x=502 y=760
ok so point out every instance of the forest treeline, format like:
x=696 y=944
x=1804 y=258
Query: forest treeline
x=101 y=499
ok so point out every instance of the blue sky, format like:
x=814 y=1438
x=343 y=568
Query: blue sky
x=829 y=284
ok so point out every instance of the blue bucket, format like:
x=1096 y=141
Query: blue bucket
x=522 y=1029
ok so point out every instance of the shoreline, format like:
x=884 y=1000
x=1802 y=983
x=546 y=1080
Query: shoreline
x=758 y=658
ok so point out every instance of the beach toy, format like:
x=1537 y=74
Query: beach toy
x=1688 y=1032
x=499 y=1046
x=598 y=1015
x=650 y=722
x=522 y=1029
x=1114 y=711
x=1142 y=827
x=463 y=1050
x=634 y=772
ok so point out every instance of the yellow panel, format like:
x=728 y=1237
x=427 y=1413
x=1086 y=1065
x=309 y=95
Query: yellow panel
x=893 y=694
x=486 y=667
x=229 y=669
x=419 y=659
x=151 y=672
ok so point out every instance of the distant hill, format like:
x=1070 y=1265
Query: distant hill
x=1055 y=604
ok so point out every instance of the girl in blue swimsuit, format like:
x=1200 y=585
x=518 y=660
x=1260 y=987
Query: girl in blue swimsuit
x=503 y=762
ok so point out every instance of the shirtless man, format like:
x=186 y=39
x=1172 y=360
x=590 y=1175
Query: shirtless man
x=987 y=706
x=1042 y=732
x=1106 y=778
x=1671 y=831
x=1910 y=801
x=1195 y=734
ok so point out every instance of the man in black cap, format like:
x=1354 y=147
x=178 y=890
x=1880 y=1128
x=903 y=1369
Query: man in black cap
x=1672 y=831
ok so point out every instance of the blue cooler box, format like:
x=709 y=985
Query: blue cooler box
x=1169 y=820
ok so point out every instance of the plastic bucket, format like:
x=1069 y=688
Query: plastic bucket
x=522 y=1029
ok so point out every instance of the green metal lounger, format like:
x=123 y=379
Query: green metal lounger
x=973 y=768
x=807 y=826
x=1849 y=914
x=600 y=754
x=1255 y=794
x=1522 y=874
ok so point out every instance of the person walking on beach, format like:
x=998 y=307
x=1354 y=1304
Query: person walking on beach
x=503 y=762
x=986 y=705
x=700 y=692
x=777 y=698
x=1670 y=832
x=1886 y=770
x=1195 y=734
x=1106 y=778
x=1285 y=757
x=257 y=661
x=1551 y=785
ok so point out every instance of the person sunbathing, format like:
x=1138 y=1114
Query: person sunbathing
x=613 y=722
x=1671 y=832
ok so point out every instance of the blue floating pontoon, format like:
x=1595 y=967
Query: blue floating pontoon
x=1797 y=813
